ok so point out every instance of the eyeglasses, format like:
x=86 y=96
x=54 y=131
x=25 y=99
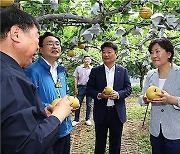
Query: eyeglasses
x=51 y=44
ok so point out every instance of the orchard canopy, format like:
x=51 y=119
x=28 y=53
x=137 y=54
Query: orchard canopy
x=83 y=25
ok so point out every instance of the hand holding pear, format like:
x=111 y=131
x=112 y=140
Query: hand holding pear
x=106 y=93
x=60 y=109
x=74 y=102
x=152 y=92
x=108 y=90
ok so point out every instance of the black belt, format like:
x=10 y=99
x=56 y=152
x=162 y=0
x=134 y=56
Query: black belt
x=82 y=85
x=110 y=107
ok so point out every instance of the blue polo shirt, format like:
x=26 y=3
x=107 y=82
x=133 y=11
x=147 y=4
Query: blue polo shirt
x=40 y=75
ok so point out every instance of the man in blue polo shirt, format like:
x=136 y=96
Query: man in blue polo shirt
x=49 y=77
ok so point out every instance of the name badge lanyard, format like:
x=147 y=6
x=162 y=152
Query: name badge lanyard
x=58 y=85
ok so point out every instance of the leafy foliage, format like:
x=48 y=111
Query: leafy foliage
x=136 y=90
x=71 y=19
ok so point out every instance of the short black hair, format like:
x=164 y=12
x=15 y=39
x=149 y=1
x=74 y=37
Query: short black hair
x=46 y=34
x=86 y=56
x=109 y=44
x=163 y=43
x=11 y=16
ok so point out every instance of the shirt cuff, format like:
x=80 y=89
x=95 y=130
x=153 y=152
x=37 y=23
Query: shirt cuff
x=118 y=96
x=179 y=101
x=98 y=96
x=54 y=118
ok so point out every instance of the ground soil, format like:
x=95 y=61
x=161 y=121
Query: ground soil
x=82 y=136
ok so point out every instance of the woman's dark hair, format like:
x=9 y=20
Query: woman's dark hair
x=111 y=45
x=11 y=16
x=163 y=43
x=46 y=34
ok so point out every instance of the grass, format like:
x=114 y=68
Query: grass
x=136 y=114
x=144 y=143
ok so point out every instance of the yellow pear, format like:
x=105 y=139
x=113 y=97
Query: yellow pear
x=75 y=101
x=145 y=12
x=81 y=46
x=71 y=53
x=152 y=91
x=6 y=2
x=108 y=90
x=55 y=102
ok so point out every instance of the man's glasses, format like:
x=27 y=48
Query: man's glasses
x=51 y=44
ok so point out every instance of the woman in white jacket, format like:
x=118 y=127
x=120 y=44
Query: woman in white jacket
x=165 y=111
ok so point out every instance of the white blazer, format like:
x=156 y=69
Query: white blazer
x=167 y=115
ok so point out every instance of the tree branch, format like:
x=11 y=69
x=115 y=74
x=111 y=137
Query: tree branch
x=81 y=19
x=75 y=18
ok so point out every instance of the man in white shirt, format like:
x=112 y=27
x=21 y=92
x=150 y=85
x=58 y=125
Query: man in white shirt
x=81 y=75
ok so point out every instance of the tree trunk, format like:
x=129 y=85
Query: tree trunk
x=141 y=81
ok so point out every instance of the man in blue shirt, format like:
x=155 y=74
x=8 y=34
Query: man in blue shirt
x=25 y=126
x=49 y=77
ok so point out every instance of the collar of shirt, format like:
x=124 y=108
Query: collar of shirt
x=53 y=70
x=89 y=66
x=111 y=69
x=7 y=59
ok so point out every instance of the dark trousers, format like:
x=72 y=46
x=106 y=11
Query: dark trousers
x=162 y=145
x=112 y=123
x=62 y=145
x=81 y=95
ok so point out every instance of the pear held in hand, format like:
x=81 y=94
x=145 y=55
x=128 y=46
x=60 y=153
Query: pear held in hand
x=108 y=90
x=55 y=102
x=152 y=92
x=75 y=102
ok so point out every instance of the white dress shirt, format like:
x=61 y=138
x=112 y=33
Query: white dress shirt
x=110 y=81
